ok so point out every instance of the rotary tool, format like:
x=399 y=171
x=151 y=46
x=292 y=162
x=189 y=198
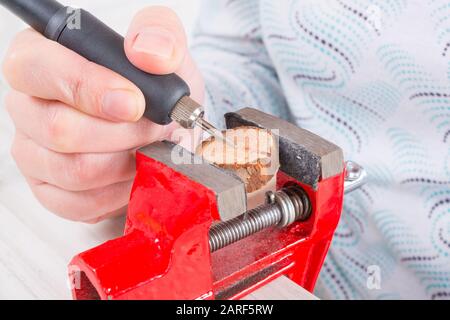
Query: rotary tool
x=166 y=96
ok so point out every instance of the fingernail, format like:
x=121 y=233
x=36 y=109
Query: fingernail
x=122 y=105
x=155 y=41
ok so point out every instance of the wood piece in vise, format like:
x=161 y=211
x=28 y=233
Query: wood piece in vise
x=304 y=155
x=254 y=158
x=229 y=189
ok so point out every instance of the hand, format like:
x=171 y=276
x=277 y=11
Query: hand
x=78 y=124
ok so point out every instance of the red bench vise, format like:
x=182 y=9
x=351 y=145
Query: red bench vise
x=188 y=234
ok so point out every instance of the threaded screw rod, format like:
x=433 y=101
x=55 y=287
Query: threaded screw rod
x=270 y=214
x=228 y=232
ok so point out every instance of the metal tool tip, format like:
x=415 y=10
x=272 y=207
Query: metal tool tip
x=208 y=127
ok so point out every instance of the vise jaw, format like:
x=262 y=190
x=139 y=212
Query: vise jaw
x=165 y=251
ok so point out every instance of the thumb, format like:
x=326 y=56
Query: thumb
x=156 y=41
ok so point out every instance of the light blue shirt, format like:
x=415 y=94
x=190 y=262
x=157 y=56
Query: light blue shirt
x=374 y=78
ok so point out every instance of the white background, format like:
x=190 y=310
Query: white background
x=36 y=246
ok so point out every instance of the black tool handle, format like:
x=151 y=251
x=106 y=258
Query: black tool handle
x=83 y=33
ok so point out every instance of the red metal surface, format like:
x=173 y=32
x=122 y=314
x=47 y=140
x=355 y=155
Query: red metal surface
x=297 y=251
x=164 y=253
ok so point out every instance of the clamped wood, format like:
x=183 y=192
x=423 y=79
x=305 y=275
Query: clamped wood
x=165 y=253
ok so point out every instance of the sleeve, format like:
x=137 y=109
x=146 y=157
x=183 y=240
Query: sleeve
x=233 y=59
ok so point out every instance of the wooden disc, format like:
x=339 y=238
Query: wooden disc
x=254 y=157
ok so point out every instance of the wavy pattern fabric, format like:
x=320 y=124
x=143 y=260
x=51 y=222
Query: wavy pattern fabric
x=373 y=76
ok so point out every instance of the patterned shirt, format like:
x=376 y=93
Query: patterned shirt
x=373 y=76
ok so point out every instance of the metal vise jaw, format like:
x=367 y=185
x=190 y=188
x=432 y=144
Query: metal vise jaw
x=175 y=205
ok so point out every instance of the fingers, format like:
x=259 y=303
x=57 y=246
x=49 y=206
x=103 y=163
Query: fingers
x=78 y=162
x=87 y=206
x=190 y=72
x=61 y=128
x=156 y=41
x=42 y=68
x=72 y=172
